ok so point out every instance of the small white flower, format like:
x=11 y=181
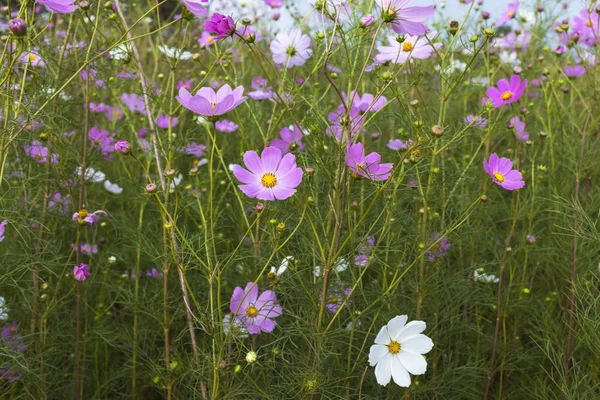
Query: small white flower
x=91 y=174
x=3 y=309
x=121 y=52
x=112 y=259
x=291 y=49
x=176 y=181
x=175 y=53
x=282 y=268
x=398 y=351
x=112 y=187
x=527 y=17
x=340 y=266
x=481 y=276
x=509 y=58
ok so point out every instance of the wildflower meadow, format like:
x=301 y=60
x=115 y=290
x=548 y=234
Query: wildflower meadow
x=299 y=199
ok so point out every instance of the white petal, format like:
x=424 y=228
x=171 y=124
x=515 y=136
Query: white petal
x=396 y=324
x=399 y=373
x=383 y=336
x=414 y=363
x=376 y=353
x=411 y=329
x=419 y=344
x=284 y=265
x=383 y=370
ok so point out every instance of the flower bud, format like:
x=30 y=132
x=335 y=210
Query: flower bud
x=151 y=188
x=437 y=130
x=367 y=20
x=251 y=357
x=489 y=32
x=123 y=147
x=17 y=26
x=485 y=15
x=170 y=173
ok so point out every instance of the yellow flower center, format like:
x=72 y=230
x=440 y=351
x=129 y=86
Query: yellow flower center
x=499 y=177
x=213 y=105
x=394 y=347
x=271 y=276
x=588 y=24
x=252 y=311
x=407 y=46
x=209 y=39
x=510 y=14
x=32 y=57
x=13 y=329
x=83 y=213
x=334 y=300
x=268 y=180
x=38 y=156
x=507 y=96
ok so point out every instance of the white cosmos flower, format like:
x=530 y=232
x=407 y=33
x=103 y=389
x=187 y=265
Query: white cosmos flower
x=481 y=276
x=3 y=309
x=340 y=266
x=121 y=52
x=176 y=181
x=112 y=187
x=282 y=268
x=91 y=174
x=509 y=58
x=398 y=351
x=175 y=53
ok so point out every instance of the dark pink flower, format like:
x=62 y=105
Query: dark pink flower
x=255 y=312
x=2 y=228
x=368 y=166
x=291 y=140
x=574 y=71
x=507 y=92
x=220 y=26
x=405 y=19
x=439 y=249
x=163 y=121
x=81 y=272
x=500 y=169
x=59 y=6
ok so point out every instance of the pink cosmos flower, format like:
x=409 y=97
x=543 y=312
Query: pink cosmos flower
x=291 y=140
x=2 y=228
x=506 y=92
x=438 y=250
x=162 y=121
x=220 y=26
x=113 y=113
x=83 y=217
x=154 y=273
x=587 y=26
x=101 y=140
x=270 y=176
x=397 y=144
x=252 y=311
x=206 y=40
x=366 y=102
x=512 y=41
x=133 y=102
x=508 y=14
x=519 y=127
x=39 y=153
x=194 y=149
x=291 y=49
x=81 y=272
x=196 y=8
x=336 y=299
x=476 y=121
x=210 y=104
x=405 y=19
x=500 y=169
x=32 y=58
x=274 y=3
x=368 y=166
x=59 y=6
x=226 y=126
x=337 y=124
x=574 y=71
x=261 y=89
x=413 y=47
x=86 y=248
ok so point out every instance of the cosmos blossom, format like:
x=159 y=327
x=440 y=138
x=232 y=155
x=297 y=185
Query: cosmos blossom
x=500 y=169
x=59 y=6
x=291 y=49
x=2 y=228
x=405 y=19
x=291 y=140
x=506 y=91
x=220 y=26
x=83 y=217
x=412 y=47
x=81 y=272
x=255 y=312
x=270 y=176
x=398 y=351
x=209 y=103
x=39 y=152
x=368 y=166
x=519 y=129
x=196 y=8
x=508 y=14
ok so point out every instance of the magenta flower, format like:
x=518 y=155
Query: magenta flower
x=274 y=3
x=81 y=272
x=476 y=121
x=353 y=127
x=261 y=89
x=196 y=8
x=413 y=47
x=59 y=6
x=194 y=149
x=83 y=217
x=500 y=169
x=133 y=102
x=269 y=176
x=519 y=127
x=2 y=228
x=154 y=273
x=210 y=104
x=102 y=141
x=226 y=126
x=291 y=140
x=439 y=249
x=586 y=25
x=368 y=166
x=405 y=19
x=506 y=92
x=336 y=299
x=220 y=26
x=163 y=121
x=255 y=312
x=39 y=153
x=574 y=71
x=123 y=147
x=397 y=144
x=508 y=14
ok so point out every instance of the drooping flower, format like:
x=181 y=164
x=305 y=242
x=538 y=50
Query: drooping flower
x=210 y=104
x=255 y=312
x=507 y=92
x=270 y=176
x=291 y=49
x=509 y=13
x=500 y=169
x=439 y=249
x=220 y=26
x=368 y=166
x=81 y=272
x=83 y=217
x=196 y=8
x=278 y=271
x=412 y=47
x=405 y=19
x=519 y=127
x=226 y=126
x=59 y=6
x=291 y=140
x=2 y=229
x=398 y=351
x=476 y=121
